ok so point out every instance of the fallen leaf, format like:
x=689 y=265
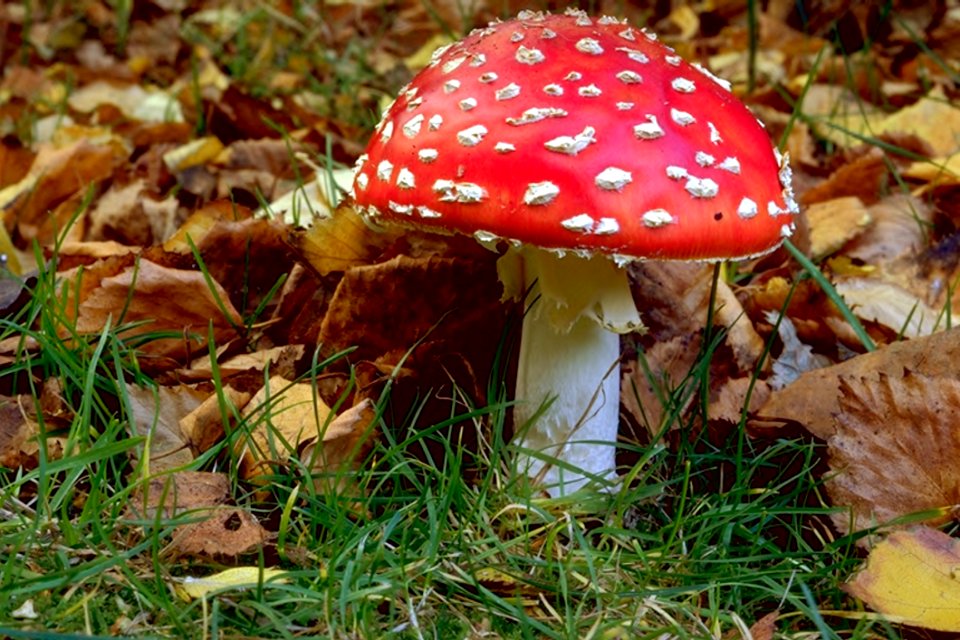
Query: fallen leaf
x=204 y=426
x=731 y=399
x=911 y=578
x=648 y=383
x=231 y=579
x=344 y=441
x=933 y=118
x=223 y=535
x=814 y=398
x=833 y=223
x=280 y=417
x=156 y=415
x=159 y=299
x=795 y=357
x=892 y=306
x=895 y=450
x=341 y=241
x=175 y=494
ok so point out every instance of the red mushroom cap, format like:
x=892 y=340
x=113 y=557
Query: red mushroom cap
x=577 y=133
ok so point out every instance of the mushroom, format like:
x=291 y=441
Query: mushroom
x=580 y=144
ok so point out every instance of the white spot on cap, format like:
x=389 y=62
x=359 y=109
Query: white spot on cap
x=714 y=134
x=704 y=159
x=504 y=147
x=649 y=130
x=465 y=192
x=683 y=85
x=629 y=77
x=363 y=180
x=402 y=209
x=613 y=179
x=682 y=118
x=488 y=77
x=590 y=46
x=413 y=104
x=633 y=54
x=427 y=212
x=387 y=132
x=581 y=222
x=516 y=36
x=438 y=52
x=652 y=37
x=512 y=90
x=476 y=60
x=471 y=136
x=747 y=209
x=624 y=106
x=676 y=173
x=701 y=187
x=553 y=89
x=540 y=193
x=774 y=210
x=720 y=81
x=405 y=179
x=608 y=20
x=434 y=122
x=428 y=155
x=589 y=91
x=730 y=164
x=412 y=127
x=384 y=170
x=450 y=86
x=467 y=104
x=548 y=34
x=673 y=61
x=529 y=56
x=572 y=145
x=451 y=65
x=627 y=34
x=573 y=76
x=787 y=230
x=655 y=218
x=536 y=114
x=606 y=226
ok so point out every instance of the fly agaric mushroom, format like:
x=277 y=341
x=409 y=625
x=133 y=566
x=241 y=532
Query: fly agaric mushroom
x=581 y=144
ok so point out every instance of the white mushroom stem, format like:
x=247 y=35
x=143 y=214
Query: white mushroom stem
x=568 y=380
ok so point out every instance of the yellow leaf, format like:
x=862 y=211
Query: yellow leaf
x=236 y=578
x=913 y=577
x=192 y=154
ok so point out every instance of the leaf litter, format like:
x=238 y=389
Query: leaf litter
x=140 y=195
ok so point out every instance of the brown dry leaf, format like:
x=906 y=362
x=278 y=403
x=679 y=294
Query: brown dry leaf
x=814 y=399
x=895 y=449
x=644 y=396
x=18 y=436
x=282 y=416
x=674 y=297
x=345 y=440
x=911 y=578
x=833 y=223
x=899 y=229
x=163 y=299
x=204 y=426
x=890 y=305
x=156 y=415
x=120 y=215
x=836 y=113
x=57 y=174
x=732 y=397
x=199 y=224
x=865 y=177
x=933 y=119
x=225 y=535
x=795 y=357
x=178 y=493
x=201 y=368
x=341 y=241
x=766 y=627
